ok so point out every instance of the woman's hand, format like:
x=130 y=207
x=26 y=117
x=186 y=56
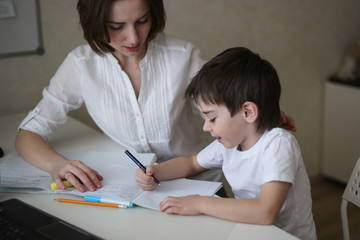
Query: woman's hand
x=34 y=149
x=145 y=180
x=287 y=122
x=77 y=173
x=181 y=205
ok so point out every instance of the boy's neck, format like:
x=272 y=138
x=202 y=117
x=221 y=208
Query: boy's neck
x=250 y=140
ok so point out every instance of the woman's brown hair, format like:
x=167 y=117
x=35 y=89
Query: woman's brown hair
x=94 y=15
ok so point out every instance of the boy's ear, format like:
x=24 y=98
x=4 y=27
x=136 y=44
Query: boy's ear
x=250 y=111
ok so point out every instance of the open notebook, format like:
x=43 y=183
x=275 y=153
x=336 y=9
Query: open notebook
x=118 y=170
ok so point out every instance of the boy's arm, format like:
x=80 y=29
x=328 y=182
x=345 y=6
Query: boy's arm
x=175 y=168
x=179 y=167
x=262 y=210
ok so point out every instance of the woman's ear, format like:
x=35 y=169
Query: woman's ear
x=250 y=111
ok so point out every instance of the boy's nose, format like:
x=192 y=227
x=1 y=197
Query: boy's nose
x=206 y=127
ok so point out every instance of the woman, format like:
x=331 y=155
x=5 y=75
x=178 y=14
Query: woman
x=132 y=79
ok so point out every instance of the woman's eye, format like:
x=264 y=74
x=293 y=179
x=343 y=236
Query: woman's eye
x=115 y=27
x=212 y=119
x=143 y=20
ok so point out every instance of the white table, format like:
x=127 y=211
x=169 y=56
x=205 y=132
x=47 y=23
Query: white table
x=132 y=223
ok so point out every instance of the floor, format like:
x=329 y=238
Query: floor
x=326 y=195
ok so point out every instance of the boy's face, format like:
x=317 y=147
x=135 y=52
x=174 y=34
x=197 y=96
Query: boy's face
x=230 y=131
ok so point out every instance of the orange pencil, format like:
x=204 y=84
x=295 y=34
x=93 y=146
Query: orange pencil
x=90 y=203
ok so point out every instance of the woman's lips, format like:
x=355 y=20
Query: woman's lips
x=132 y=49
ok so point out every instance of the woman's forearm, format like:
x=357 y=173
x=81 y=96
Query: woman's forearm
x=34 y=149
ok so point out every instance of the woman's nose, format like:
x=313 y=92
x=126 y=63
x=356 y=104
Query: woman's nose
x=133 y=35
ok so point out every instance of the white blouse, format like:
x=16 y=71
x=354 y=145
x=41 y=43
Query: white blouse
x=159 y=121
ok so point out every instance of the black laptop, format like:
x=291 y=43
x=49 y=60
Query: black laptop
x=19 y=220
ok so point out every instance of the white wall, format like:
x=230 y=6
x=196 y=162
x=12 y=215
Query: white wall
x=305 y=40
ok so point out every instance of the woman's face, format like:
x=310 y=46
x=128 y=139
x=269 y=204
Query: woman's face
x=128 y=26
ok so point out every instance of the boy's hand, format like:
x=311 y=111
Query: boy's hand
x=145 y=180
x=287 y=122
x=181 y=205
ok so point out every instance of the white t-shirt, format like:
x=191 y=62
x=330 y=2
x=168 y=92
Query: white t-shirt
x=159 y=121
x=275 y=157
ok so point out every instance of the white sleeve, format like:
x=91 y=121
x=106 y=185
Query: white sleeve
x=62 y=96
x=282 y=159
x=210 y=157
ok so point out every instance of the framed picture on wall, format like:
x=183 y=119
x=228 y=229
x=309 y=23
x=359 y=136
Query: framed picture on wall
x=20 y=28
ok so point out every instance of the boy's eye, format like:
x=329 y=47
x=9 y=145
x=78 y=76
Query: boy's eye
x=212 y=120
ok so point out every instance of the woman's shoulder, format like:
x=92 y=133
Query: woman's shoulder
x=83 y=51
x=169 y=42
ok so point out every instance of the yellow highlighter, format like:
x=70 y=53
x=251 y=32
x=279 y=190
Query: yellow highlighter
x=54 y=186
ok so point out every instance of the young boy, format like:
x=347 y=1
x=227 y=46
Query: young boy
x=239 y=93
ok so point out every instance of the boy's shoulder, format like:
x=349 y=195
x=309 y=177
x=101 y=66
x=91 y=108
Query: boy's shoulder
x=278 y=135
x=278 y=132
x=274 y=136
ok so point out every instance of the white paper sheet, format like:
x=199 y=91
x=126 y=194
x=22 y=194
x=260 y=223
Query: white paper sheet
x=118 y=171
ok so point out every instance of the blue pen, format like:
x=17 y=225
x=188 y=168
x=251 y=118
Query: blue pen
x=139 y=164
x=91 y=198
